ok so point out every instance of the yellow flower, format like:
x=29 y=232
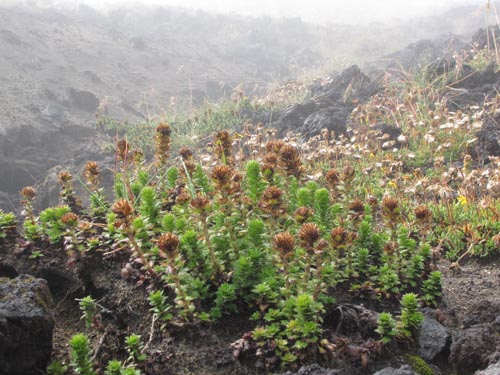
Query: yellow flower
x=462 y=199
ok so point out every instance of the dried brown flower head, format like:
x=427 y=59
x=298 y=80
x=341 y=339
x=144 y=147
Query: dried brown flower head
x=222 y=175
x=200 y=202
x=122 y=149
x=162 y=141
x=69 y=219
x=270 y=158
x=182 y=198
x=91 y=173
x=168 y=243
x=28 y=193
x=271 y=201
x=332 y=178
x=122 y=208
x=302 y=214
x=390 y=207
x=309 y=234
x=284 y=243
x=275 y=146
x=290 y=160
x=163 y=130
x=185 y=153
x=339 y=236
x=64 y=177
x=357 y=207
x=223 y=147
x=190 y=166
x=423 y=213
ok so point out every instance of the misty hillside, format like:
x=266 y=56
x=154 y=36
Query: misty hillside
x=58 y=68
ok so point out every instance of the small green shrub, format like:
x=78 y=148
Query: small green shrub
x=81 y=355
x=411 y=318
x=386 y=327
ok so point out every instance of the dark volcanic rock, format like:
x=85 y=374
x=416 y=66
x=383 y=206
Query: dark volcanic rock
x=26 y=325
x=433 y=339
x=294 y=116
x=333 y=119
x=314 y=369
x=331 y=106
x=474 y=346
x=403 y=370
x=488 y=140
x=474 y=87
x=82 y=100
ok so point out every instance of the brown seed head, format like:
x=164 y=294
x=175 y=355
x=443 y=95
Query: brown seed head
x=91 y=173
x=339 y=236
x=64 y=177
x=92 y=169
x=69 y=219
x=168 y=243
x=122 y=208
x=423 y=213
x=223 y=143
x=309 y=234
x=122 y=149
x=182 y=198
x=332 y=177
x=270 y=158
x=271 y=200
x=357 y=206
x=190 y=166
x=28 y=193
x=390 y=205
x=200 y=202
x=302 y=214
x=290 y=160
x=274 y=146
x=163 y=130
x=222 y=175
x=185 y=153
x=284 y=243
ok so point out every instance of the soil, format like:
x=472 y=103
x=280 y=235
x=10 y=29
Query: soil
x=206 y=348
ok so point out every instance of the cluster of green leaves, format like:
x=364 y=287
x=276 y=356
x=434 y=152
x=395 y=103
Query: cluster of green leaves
x=7 y=223
x=47 y=225
x=81 y=358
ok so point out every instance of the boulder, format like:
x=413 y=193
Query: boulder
x=433 y=339
x=26 y=325
x=488 y=140
x=83 y=100
x=474 y=346
x=331 y=106
x=493 y=369
x=403 y=370
x=314 y=369
x=333 y=119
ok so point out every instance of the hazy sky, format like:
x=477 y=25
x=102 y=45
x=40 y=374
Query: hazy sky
x=350 y=11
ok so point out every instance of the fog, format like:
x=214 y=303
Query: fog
x=317 y=11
